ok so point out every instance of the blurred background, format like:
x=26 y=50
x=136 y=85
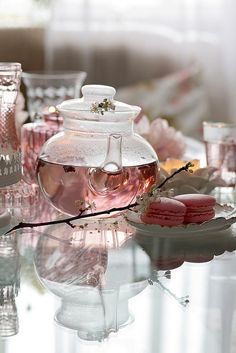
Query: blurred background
x=175 y=58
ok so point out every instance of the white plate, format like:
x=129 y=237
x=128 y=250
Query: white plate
x=225 y=216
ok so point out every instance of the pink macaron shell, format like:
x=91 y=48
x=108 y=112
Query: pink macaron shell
x=200 y=207
x=198 y=217
x=165 y=212
x=167 y=205
x=162 y=220
x=196 y=200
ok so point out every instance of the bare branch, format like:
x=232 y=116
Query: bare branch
x=82 y=214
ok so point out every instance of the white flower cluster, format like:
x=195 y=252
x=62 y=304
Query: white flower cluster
x=154 y=195
x=84 y=206
x=202 y=180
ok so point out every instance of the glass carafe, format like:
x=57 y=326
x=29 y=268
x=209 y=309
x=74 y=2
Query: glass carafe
x=97 y=159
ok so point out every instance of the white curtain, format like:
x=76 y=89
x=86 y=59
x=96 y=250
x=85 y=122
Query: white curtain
x=120 y=42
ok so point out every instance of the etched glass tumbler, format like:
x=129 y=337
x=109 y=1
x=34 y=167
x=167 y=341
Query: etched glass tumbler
x=45 y=90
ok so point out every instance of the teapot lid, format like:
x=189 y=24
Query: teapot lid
x=97 y=103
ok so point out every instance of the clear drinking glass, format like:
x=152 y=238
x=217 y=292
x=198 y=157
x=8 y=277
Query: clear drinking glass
x=45 y=90
x=220 y=144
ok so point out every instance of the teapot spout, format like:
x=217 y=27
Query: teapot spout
x=110 y=175
x=113 y=160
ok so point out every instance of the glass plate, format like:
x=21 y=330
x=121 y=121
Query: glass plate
x=225 y=216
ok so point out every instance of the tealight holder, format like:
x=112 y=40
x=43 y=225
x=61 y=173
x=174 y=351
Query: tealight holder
x=33 y=137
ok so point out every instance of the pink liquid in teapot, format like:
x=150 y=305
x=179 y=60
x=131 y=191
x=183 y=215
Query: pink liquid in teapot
x=68 y=186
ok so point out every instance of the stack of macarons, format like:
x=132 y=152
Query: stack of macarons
x=182 y=209
x=199 y=207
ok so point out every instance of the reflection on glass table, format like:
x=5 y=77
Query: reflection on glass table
x=101 y=288
x=80 y=264
x=9 y=284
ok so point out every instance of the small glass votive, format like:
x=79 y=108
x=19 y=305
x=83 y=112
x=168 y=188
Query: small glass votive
x=33 y=136
x=47 y=89
x=220 y=145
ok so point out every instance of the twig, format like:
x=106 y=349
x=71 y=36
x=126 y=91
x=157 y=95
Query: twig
x=95 y=214
x=69 y=220
x=183 y=301
x=184 y=168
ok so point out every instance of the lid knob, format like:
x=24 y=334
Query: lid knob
x=98 y=92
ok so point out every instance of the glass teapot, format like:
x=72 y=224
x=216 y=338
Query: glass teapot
x=97 y=158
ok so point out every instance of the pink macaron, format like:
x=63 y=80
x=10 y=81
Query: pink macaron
x=165 y=212
x=200 y=207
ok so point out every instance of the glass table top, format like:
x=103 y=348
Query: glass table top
x=102 y=287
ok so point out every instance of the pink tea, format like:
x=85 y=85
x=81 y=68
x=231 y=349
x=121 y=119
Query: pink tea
x=67 y=186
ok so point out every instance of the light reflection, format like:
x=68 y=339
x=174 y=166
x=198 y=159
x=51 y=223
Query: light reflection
x=9 y=284
x=184 y=328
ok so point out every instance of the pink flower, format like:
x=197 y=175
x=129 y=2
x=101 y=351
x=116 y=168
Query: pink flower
x=166 y=140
